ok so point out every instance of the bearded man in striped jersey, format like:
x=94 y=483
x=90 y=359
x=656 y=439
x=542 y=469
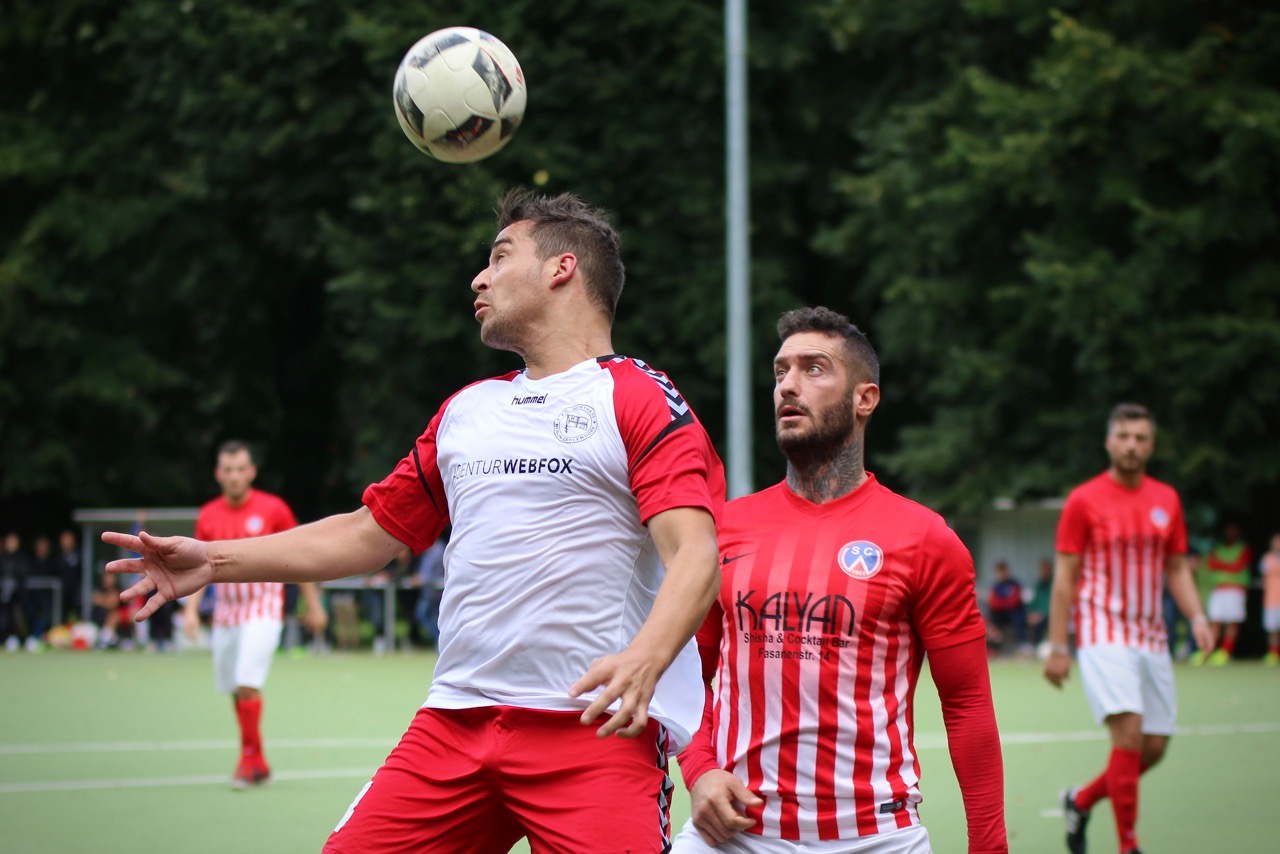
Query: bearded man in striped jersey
x=833 y=590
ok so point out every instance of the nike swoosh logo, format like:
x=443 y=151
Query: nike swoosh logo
x=728 y=560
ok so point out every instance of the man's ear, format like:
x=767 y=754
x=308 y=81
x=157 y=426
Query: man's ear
x=866 y=397
x=561 y=268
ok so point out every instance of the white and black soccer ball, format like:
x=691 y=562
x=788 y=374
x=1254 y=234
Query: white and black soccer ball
x=459 y=94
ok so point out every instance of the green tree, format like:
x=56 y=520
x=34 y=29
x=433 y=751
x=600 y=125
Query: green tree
x=1077 y=207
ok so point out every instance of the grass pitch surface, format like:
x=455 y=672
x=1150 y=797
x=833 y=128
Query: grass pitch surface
x=128 y=752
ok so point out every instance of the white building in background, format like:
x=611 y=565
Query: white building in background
x=1020 y=533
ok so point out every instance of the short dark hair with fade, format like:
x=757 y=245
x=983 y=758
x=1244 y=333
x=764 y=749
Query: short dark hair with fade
x=861 y=356
x=565 y=223
x=1129 y=412
x=235 y=446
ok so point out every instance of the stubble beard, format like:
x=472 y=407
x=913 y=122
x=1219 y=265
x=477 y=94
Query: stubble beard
x=825 y=461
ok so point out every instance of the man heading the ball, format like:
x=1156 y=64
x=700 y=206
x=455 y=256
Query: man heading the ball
x=582 y=493
x=834 y=588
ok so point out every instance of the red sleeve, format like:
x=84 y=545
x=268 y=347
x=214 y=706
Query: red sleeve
x=699 y=756
x=200 y=533
x=1073 y=526
x=669 y=455
x=1177 y=541
x=284 y=517
x=964 y=687
x=410 y=503
x=945 y=606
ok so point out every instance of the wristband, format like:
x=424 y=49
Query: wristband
x=1060 y=649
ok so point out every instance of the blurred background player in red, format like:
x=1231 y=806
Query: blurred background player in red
x=1120 y=537
x=247 y=618
x=1228 y=565
x=1269 y=566
x=833 y=590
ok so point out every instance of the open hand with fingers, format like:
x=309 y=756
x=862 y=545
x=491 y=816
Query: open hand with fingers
x=628 y=676
x=172 y=567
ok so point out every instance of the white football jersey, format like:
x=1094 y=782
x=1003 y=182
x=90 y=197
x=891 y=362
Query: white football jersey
x=548 y=485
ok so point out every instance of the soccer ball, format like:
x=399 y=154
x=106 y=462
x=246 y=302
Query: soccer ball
x=459 y=94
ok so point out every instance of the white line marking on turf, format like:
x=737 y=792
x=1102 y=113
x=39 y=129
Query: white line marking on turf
x=158 y=782
x=922 y=741
x=143 y=746
x=936 y=740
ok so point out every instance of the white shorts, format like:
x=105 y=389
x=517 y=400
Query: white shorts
x=1120 y=679
x=1226 y=605
x=907 y=840
x=1271 y=619
x=242 y=654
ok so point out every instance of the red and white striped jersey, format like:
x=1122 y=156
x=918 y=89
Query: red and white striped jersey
x=260 y=513
x=1123 y=537
x=824 y=616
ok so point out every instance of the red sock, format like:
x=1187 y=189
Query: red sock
x=1122 y=785
x=1229 y=647
x=250 y=713
x=1092 y=793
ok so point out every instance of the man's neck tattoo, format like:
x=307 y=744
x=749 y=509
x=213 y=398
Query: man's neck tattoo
x=823 y=477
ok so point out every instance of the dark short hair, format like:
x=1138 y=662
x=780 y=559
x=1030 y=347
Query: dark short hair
x=1130 y=412
x=861 y=356
x=565 y=223
x=235 y=446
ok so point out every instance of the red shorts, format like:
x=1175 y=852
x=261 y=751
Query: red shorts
x=477 y=780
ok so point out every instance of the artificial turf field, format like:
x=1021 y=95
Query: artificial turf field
x=104 y=752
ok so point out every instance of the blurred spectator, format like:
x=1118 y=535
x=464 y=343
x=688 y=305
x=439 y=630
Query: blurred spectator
x=1270 y=569
x=1038 y=607
x=68 y=564
x=113 y=618
x=373 y=604
x=430 y=580
x=44 y=576
x=1006 y=610
x=1228 y=567
x=15 y=567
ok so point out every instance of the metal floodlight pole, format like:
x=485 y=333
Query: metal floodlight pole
x=738 y=287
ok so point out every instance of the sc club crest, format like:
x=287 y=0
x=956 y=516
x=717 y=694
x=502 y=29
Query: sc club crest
x=860 y=559
x=253 y=525
x=576 y=423
x=1159 y=517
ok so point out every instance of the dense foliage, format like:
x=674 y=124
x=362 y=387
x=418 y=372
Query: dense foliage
x=212 y=226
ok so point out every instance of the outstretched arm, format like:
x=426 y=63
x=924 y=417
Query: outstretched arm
x=686 y=542
x=964 y=687
x=173 y=567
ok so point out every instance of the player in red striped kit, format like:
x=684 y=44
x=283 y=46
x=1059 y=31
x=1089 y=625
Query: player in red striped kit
x=1120 y=536
x=247 y=618
x=833 y=590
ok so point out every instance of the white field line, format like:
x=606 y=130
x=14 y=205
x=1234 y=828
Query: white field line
x=922 y=741
x=164 y=782
x=221 y=744
x=1007 y=739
